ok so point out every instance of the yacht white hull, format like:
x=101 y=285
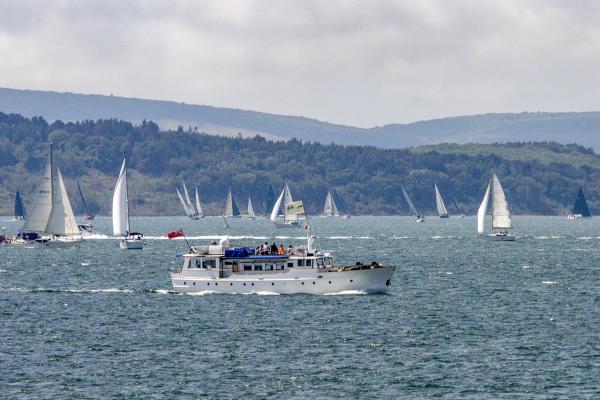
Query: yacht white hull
x=284 y=225
x=292 y=281
x=131 y=244
x=48 y=242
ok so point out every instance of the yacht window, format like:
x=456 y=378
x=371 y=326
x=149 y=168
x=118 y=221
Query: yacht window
x=328 y=261
x=319 y=262
x=247 y=267
x=301 y=263
x=258 y=267
x=268 y=267
x=290 y=265
x=309 y=263
x=279 y=267
x=209 y=264
x=186 y=264
x=198 y=263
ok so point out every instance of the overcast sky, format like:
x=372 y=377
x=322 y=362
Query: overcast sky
x=362 y=63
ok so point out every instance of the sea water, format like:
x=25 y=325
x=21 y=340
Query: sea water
x=465 y=317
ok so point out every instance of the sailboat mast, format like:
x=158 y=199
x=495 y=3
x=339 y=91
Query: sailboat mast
x=51 y=175
x=127 y=197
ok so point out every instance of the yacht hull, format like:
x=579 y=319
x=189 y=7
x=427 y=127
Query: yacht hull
x=131 y=244
x=500 y=237
x=293 y=281
x=48 y=242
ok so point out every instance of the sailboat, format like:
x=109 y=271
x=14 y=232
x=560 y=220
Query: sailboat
x=330 y=208
x=459 y=214
x=231 y=207
x=501 y=221
x=186 y=202
x=89 y=216
x=250 y=210
x=341 y=205
x=439 y=203
x=290 y=216
x=20 y=212
x=120 y=214
x=580 y=208
x=420 y=217
x=199 y=212
x=51 y=222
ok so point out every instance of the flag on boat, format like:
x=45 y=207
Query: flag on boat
x=175 y=234
x=295 y=208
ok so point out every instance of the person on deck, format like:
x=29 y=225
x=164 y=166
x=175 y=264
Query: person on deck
x=274 y=249
x=281 y=250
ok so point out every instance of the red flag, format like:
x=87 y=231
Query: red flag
x=175 y=234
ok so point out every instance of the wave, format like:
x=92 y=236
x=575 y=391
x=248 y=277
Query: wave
x=549 y=282
x=585 y=238
x=2 y=270
x=346 y=293
x=59 y=290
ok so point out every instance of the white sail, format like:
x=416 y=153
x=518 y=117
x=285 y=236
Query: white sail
x=483 y=210
x=120 y=210
x=183 y=203
x=439 y=202
x=188 y=201
x=330 y=209
x=277 y=206
x=410 y=203
x=500 y=214
x=250 y=209
x=61 y=220
x=198 y=206
x=42 y=204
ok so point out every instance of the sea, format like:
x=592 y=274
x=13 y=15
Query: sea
x=465 y=318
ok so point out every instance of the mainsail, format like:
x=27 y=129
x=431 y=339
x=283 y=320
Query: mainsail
x=277 y=205
x=340 y=204
x=42 y=203
x=20 y=211
x=120 y=206
x=500 y=214
x=439 y=202
x=199 y=211
x=188 y=201
x=231 y=208
x=250 y=209
x=410 y=203
x=580 y=207
x=483 y=210
x=183 y=203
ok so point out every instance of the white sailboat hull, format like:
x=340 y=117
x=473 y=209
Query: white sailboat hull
x=308 y=281
x=500 y=237
x=131 y=244
x=283 y=225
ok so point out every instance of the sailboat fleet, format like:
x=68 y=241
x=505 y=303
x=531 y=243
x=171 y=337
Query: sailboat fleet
x=192 y=212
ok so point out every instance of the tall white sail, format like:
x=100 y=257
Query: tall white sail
x=61 y=220
x=410 y=203
x=198 y=206
x=183 y=203
x=500 y=214
x=188 y=201
x=483 y=210
x=439 y=202
x=250 y=209
x=120 y=209
x=330 y=209
x=42 y=204
x=277 y=206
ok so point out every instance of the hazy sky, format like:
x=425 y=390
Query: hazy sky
x=363 y=63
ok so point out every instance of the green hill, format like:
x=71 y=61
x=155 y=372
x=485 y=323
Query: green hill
x=539 y=178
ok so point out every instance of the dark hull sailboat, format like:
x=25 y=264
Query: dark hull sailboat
x=580 y=208
x=20 y=213
x=88 y=215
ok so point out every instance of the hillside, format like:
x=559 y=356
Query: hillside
x=539 y=178
x=582 y=128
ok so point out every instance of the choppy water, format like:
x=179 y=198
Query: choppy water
x=466 y=318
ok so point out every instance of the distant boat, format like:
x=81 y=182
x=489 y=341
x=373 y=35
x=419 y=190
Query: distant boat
x=120 y=214
x=89 y=216
x=420 y=217
x=250 y=209
x=334 y=206
x=199 y=211
x=231 y=207
x=20 y=212
x=186 y=202
x=580 y=208
x=501 y=220
x=459 y=213
x=51 y=222
x=291 y=210
x=439 y=203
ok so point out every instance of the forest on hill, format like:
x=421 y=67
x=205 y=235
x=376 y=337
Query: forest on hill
x=539 y=178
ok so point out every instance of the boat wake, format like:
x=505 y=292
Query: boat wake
x=59 y=290
x=346 y=293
